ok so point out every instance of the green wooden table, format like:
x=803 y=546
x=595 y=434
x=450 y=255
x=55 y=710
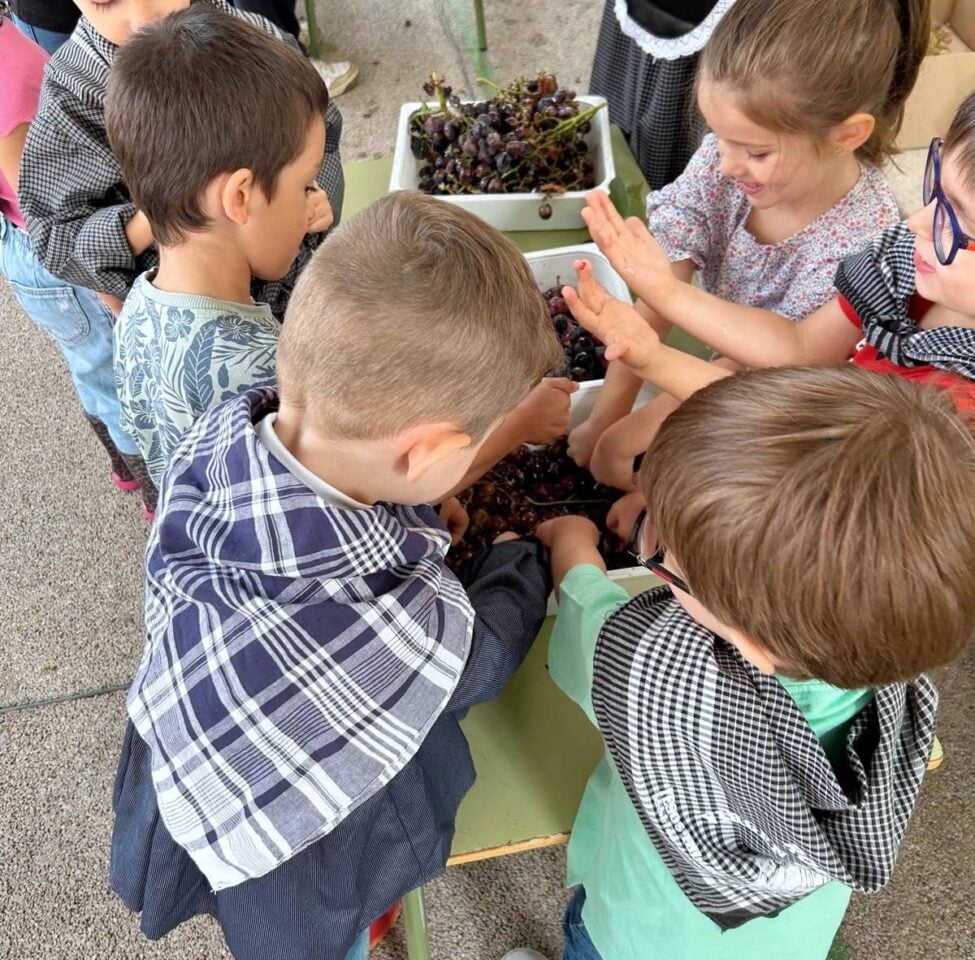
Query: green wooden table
x=532 y=747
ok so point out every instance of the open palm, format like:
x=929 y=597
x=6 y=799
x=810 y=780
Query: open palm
x=627 y=336
x=628 y=246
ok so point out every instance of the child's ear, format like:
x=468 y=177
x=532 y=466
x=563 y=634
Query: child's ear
x=853 y=132
x=236 y=194
x=427 y=446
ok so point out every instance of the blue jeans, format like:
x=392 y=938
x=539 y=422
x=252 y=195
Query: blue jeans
x=577 y=945
x=79 y=322
x=49 y=40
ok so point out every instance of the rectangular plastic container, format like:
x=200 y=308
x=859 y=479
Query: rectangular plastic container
x=514 y=211
x=554 y=267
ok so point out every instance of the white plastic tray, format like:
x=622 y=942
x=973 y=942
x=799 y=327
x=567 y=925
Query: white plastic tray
x=555 y=266
x=514 y=211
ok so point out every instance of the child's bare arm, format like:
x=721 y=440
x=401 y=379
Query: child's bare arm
x=749 y=335
x=630 y=339
x=616 y=396
x=571 y=541
x=542 y=417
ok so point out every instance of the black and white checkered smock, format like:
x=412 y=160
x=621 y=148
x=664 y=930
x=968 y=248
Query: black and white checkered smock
x=879 y=283
x=72 y=194
x=648 y=80
x=729 y=780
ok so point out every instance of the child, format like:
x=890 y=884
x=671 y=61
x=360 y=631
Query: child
x=78 y=321
x=765 y=715
x=906 y=305
x=81 y=218
x=295 y=761
x=787 y=184
x=223 y=207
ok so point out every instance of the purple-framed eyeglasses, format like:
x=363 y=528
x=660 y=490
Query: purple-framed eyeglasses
x=948 y=235
x=655 y=562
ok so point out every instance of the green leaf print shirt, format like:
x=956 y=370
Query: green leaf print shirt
x=179 y=355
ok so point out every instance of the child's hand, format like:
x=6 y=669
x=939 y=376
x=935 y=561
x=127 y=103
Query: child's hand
x=582 y=441
x=319 y=210
x=566 y=531
x=614 y=455
x=623 y=514
x=570 y=541
x=628 y=337
x=545 y=411
x=630 y=248
x=454 y=517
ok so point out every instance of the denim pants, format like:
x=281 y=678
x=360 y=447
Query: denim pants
x=48 y=40
x=79 y=322
x=577 y=945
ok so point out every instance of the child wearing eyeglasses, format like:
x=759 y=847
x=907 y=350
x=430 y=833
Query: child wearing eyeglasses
x=765 y=715
x=906 y=304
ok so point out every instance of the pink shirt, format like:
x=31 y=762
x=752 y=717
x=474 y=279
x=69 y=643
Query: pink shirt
x=21 y=71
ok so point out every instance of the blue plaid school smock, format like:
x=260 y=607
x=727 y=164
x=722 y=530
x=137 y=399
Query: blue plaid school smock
x=294 y=759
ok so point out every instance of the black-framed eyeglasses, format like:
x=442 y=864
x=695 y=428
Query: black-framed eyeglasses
x=948 y=235
x=655 y=562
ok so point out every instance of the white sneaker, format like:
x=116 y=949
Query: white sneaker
x=339 y=75
x=523 y=953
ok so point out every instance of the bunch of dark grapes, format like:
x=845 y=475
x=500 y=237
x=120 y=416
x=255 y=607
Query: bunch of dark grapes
x=529 y=137
x=529 y=486
x=584 y=355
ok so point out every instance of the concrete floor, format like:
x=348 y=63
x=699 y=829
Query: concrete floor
x=70 y=608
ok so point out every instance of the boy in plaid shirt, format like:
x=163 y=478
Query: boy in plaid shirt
x=84 y=225
x=294 y=760
x=766 y=717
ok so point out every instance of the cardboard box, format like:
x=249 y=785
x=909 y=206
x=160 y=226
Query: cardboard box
x=945 y=79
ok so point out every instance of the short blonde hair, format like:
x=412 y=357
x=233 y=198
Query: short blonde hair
x=826 y=512
x=414 y=311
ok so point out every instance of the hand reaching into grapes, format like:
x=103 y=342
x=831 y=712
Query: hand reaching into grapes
x=318 y=210
x=623 y=514
x=571 y=541
x=628 y=337
x=545 y=411
x=614 y=454
x=630 y=248
x=582 y=442
x=454 y=517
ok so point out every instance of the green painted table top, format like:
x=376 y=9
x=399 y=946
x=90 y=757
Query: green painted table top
x=533 y=748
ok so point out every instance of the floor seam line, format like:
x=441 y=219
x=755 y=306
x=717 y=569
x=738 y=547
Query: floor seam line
x=88 y=694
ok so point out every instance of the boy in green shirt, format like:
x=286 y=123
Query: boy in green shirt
x=766 y=719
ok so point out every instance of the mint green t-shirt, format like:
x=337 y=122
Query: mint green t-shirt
x=634 y=908
x=178 y=355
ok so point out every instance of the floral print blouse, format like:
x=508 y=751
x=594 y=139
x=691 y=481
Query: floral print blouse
x=702 y=216
x=178 y=355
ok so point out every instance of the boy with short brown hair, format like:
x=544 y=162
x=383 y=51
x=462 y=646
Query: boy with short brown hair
x=295 y=761
x=224 y=205
x=766 y=719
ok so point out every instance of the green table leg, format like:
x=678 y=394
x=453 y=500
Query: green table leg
x=481 y=28
x=415 y=921
x=312 y=17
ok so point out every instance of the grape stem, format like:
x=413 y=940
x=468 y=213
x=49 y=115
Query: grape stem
x=564 y=503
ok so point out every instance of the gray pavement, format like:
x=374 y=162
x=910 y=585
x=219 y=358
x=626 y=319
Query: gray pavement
x=70 y=607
